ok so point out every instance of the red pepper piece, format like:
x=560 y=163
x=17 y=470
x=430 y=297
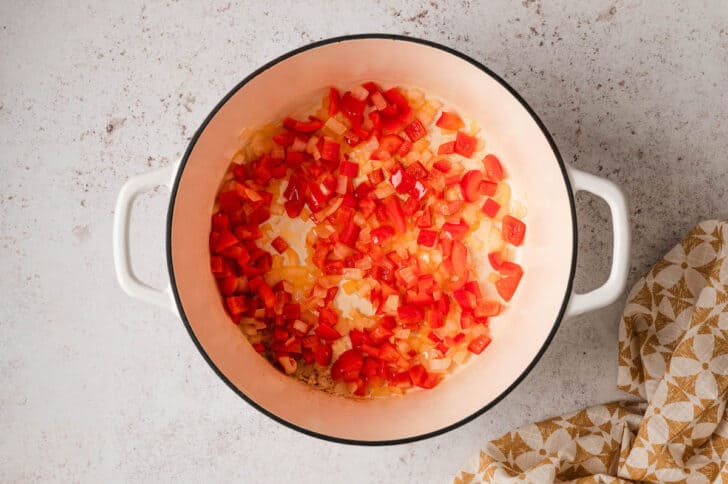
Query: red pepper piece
x=450 y=121
x=388 y=145
x=236 y=305
x=446 y=148
x=513 y=230
x=470 y=185
x=496 y=260
x=334 y=99
x=491 y=208
x=456 y=231
x=326 y=332
x=415 y=130
x=396 y=216
x=465 y=144
x=427 y=238
x=350 y=234
x=493 y=168
x=347 y=366
x=380 y=234
x=349 y=169
x=487 y=188
x=479 y=344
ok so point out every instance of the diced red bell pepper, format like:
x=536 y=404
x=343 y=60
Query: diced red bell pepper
x=427 y=238
x=225 y=240
x=491 y=208
x=415 y=130
x=418 y=374
x=292 y=311
x=473 y=287
x=388 y=145
x=465 y=299
x=404 y=148
x=349 y=169
x=347 y=366
x=446 y=148
x=470 y=185
x=479 y=344
x=328 y=316
x=496 y=260
x=313 y=124
x=410 y=314
x=450 y=121
x=465 y=144
x=396 y=216
x=459 y=258
x=228 y=285
x=419 y=298
x=379 y=334
x=216 y=265
x=229 y=201
x=443 y=165
x=322 y=355
x=513 y=230
x=370 y=368
x=326 y=332
x=511 y=274
x=293 y=208
x=330 y=150
x=334 y=99
x=410 y=205
x=371 y=86
x=493 y=168
x=402 y=181
x=487 y=188
x=376 y=176
x=456 y=231
x=284 y=139
x=395 y=96
x=236 y=305
x=279 y=244
x=486 y=309
x=380 y=234
x=220 y=221
x=350 y=234
x=352 y=108
x=425 y=220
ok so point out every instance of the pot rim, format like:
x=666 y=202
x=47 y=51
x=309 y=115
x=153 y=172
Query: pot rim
x=314 y=45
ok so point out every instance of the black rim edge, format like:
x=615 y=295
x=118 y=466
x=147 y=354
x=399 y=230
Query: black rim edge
x=241 y=84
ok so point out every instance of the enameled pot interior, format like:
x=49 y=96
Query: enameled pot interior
x=535 y=173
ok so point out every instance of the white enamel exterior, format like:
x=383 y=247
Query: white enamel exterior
x=535 y=173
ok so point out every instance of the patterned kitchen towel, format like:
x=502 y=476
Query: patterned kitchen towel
x=673 y=353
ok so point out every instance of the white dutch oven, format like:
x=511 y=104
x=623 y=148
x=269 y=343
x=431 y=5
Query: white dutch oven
x=520 y=335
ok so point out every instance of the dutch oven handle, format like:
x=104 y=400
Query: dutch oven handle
x=128 y=281
x=608 y=292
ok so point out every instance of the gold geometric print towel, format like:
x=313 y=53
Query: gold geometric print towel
x=673 y=353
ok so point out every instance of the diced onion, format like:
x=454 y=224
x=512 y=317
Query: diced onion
x=342 y=184
x=352 y=273
x=439 y=364
x=298 y=145
x=299 y=325
x=359 y=93
x=402 y=333
x=289 y=364
x=391 y=304
x=384 y=190
x=335 y=126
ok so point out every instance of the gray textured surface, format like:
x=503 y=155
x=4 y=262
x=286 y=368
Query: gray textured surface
x=95 y=386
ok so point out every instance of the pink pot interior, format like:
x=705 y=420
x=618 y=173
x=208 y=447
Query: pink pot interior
x=510 y=132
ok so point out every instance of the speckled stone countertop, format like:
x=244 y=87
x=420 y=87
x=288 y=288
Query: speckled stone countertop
x=97 y=387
